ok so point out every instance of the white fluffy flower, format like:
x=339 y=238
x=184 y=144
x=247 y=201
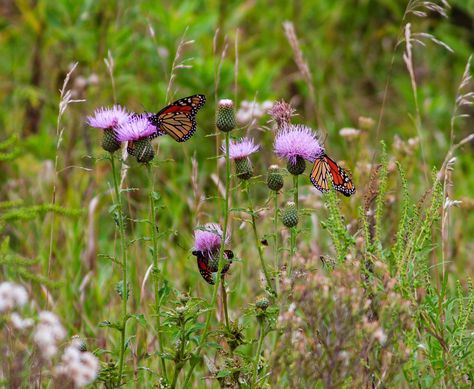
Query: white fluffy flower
x=19 y=323
x=48 y=333
x=79 y=367
x=12 y=296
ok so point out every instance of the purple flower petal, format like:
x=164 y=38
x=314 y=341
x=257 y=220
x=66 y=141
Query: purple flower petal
x=208 y=239
x=136 y=128
x=108 y=117
x=241 y=149
x=297 y=141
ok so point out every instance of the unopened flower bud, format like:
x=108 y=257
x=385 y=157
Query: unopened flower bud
x=262 y=303
x=290 y=215
x=274 y=178
x=225 y=117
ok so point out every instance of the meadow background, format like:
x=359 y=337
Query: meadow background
x=354 y=52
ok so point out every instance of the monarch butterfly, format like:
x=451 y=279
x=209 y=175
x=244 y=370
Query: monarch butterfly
x=179 y=118
x=325 y=168
x=206 y=268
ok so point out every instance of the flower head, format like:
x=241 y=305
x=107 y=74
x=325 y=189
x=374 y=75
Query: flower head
x=241 y=148
x=79 y=367
x=136 y=128
x=208 y=239
x=281 y=112
x=225 y=115
x=48 y=333
x=295 y=141
x=11 y=296
x=108 y=117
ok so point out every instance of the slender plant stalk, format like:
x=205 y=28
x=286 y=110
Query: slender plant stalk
x=180 y=363
x=123 y=249
x=156 y=271
x=257 y=240
x=275 y=237
x=259 y=351
x=205 y=332
x=294 y=230
x=224 y=303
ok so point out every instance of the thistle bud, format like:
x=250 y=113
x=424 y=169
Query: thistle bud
x=289 y=216
x=274 y=178
x=143 y=150
x=262 y=303
x=297 y=167
x=243 y=168
x=110 y=142
x=225 y=117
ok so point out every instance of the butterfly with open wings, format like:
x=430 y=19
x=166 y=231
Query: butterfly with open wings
x=326 y=170
x=179 y=118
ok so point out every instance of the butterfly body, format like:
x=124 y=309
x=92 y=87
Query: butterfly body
x=207 y=266
x=325 y=170
x=179 y=118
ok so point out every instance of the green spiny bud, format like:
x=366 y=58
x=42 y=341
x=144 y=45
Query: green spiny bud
x=225 y=117
x=110 y=142
x=262 y=303
x=274 y=178
x=144 y=150
x=289 y=216
x=243 y=168
x=298 y=167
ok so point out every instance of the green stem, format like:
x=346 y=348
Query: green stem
x=293 y=231
x=156 y=271
x=259 y=351
x=180 y=363
x=203 y=338
x=123 y=248
x=257 y=241
x=275 y=236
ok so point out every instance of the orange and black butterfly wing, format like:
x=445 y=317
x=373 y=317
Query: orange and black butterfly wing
x=320 y=174
x=179 y=118
x=341 y=179
x=203 y=266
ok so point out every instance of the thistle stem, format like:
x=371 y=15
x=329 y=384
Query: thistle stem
x=257 y=240
x=294 y=230
x=275 y=236
x=156 y=271
x=205 y=332
x=259 y=351
x=123 y=249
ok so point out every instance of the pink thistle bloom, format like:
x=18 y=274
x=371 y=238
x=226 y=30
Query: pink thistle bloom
x=108 y=117
x=241 y=148
x=136 y=128
x=208 y=239
x=295 y=141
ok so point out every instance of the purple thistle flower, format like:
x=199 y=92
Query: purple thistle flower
x=294 y=141
x=208 y=239
x=281 y=113
x=241 y=148
x=136 y=128
x=107 y=118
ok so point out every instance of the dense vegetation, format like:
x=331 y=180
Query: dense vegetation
x=372 y=290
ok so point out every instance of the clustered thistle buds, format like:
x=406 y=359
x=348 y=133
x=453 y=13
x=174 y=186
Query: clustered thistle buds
x=289 y=216
x=274 y=178
x=225 y=117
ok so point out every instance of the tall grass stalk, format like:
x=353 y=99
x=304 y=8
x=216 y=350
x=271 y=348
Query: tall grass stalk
x=251 y=210
x=156 y=273
x=205 y=332
x=123 y=252
x=261 y=337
